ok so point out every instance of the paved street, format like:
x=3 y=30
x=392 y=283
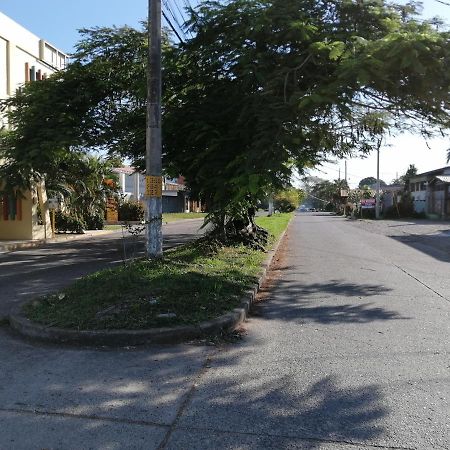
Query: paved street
x=348 y=348
x=30 y=272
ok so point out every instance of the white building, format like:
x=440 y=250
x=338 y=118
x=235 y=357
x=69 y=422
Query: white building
x=24 y=58
x=431 y=192
x=175 y=196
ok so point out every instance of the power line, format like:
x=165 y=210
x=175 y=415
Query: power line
x=442 y=2
x=179 y=11
x=171 y=26
x=175 y=18
x=182 y=12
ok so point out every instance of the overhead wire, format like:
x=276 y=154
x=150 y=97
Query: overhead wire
x=172 y=27
x=177 y=6
x=169 y=9
x=442 y=2
x=184 y=11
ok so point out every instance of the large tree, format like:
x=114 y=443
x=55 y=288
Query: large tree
x=264 y=87
x=277 y=84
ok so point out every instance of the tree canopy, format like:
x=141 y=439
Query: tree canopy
x=370 y=181
x=263 y=87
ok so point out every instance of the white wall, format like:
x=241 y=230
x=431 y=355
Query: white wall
x=3 y=73
x=19 y=46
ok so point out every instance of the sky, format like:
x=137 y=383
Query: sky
x=57 y=21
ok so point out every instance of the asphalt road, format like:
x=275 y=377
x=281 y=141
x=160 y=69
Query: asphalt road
x=24 y=274
x=348 y=348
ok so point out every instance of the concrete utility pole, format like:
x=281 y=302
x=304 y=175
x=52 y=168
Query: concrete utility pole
x=153 y=179
x=377 y=197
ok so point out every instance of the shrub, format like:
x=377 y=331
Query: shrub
x=131 y=211
x=93 y=221
x=66 y=222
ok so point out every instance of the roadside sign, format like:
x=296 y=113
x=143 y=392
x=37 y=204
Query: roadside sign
x=368 y=203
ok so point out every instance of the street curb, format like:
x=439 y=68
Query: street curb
x=167 y=335
x=62 y=238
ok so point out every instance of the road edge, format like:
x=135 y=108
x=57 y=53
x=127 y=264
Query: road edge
x=167 y=335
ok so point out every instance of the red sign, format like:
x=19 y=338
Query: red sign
x=367 y=203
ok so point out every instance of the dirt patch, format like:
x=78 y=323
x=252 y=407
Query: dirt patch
x=274 y=272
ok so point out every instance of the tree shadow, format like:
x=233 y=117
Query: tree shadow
x=434 y=245
x=260 y=409
x=302 y=302
x=145 y=389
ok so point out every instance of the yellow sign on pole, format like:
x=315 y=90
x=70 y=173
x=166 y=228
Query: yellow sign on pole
x=153 y=186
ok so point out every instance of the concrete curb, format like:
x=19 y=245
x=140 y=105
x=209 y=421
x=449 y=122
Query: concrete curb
x=167 y=335
x=62 y=238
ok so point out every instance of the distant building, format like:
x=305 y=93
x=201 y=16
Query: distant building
x=175 y=197
x=24 y=58
x=431 y=192
x=391 y=195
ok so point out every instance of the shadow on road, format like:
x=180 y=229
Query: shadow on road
x=276 y=409
x=144 y=389
x=434 y=245
x=322 y=302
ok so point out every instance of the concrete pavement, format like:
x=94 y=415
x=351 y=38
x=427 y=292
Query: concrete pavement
x=348 y=349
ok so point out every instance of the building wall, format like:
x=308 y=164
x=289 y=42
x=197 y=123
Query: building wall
x=25 y=57
x=19 y=228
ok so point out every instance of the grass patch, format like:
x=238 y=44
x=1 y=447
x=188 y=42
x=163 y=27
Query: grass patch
x=189 y=285
x=172 y=217
x=112 y=227
x=274 y=224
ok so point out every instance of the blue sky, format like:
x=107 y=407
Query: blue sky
x=57 y=21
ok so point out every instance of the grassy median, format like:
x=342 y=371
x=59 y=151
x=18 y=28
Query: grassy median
x=189 y=285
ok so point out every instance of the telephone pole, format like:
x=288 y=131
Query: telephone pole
x=153 y=179
x=377 y=197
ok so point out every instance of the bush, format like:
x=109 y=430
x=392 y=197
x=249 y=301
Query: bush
x=93 y=221
x=131 y=212
x=287 y=200
x=65 y=222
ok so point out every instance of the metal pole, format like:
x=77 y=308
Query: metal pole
x=377 y=197
x=153 y=182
